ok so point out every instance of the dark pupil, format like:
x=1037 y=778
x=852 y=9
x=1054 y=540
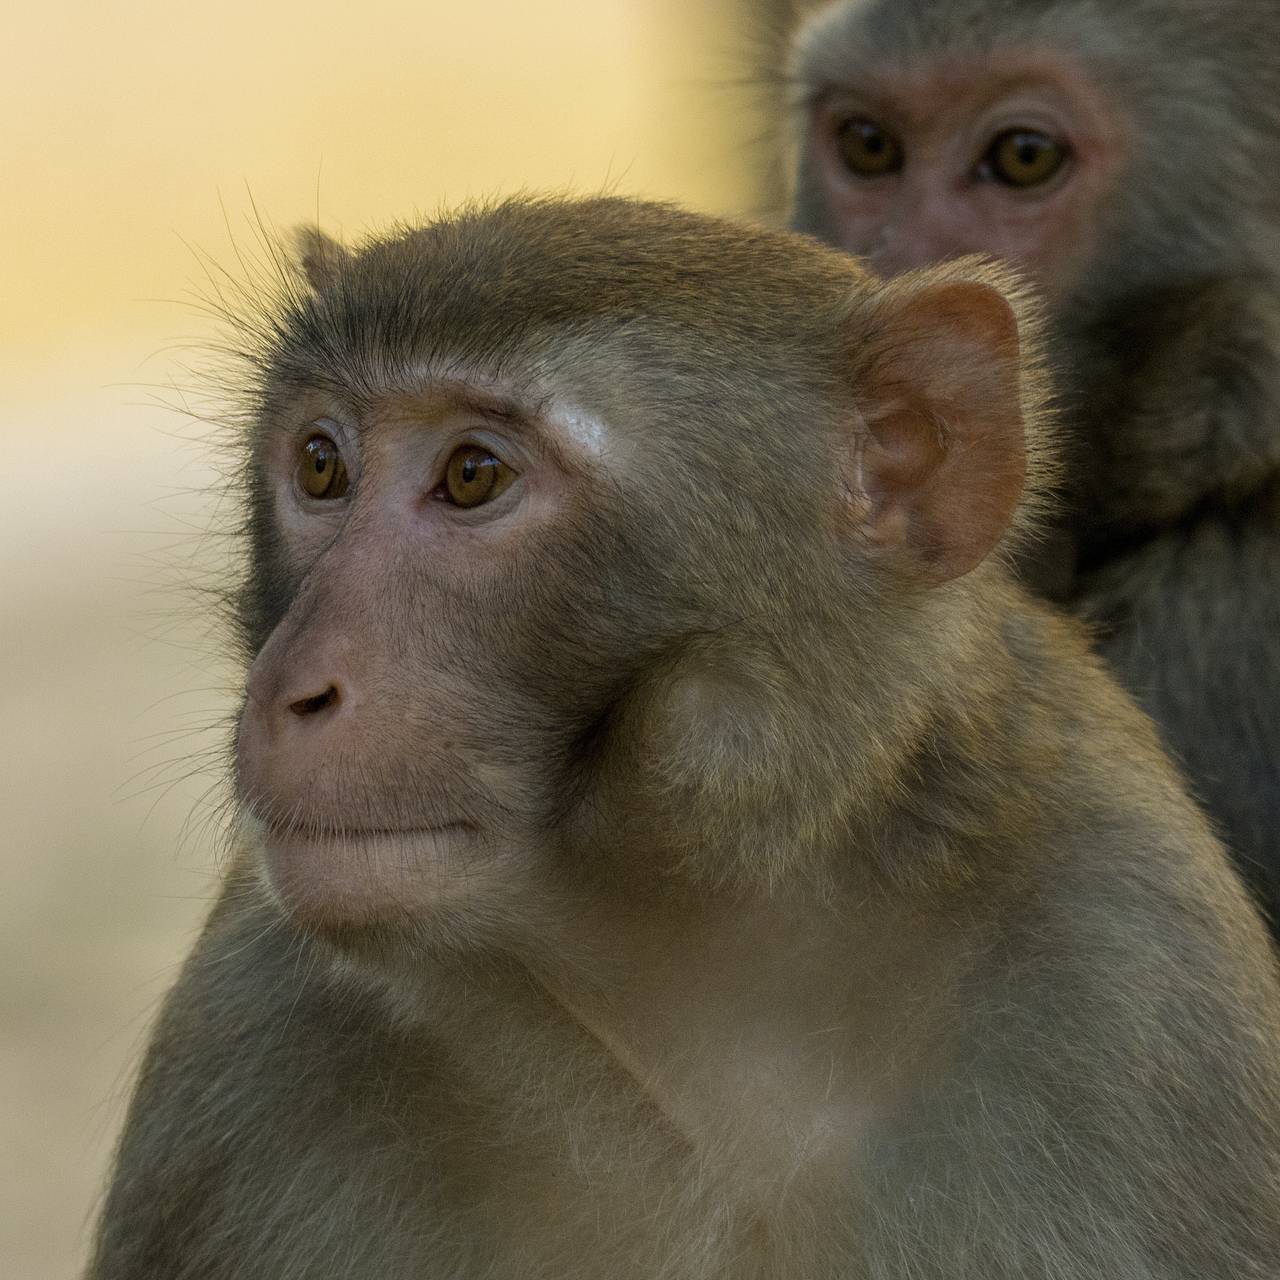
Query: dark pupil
x=469 y=469
x=321 y=458
x=872 y=139
x=1029 y=151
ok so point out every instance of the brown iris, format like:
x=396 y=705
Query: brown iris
x=1024 y=157
x=321 y=470
x=866 y=149
x=474 y=476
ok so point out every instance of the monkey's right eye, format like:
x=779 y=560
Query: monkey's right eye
x=866 y=149
x=321 y=470
x=474 y=476
x=1023 y=158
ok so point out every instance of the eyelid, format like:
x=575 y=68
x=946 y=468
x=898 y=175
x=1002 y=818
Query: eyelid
x=1058 y=139
x=1029 y=117
x=847 y=102
x=492 y=441
x=343 y=436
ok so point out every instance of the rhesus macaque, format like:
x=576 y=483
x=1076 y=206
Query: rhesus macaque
x=1126 y=155
x=672 y=846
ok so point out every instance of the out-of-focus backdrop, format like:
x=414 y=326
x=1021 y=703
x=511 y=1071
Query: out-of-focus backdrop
x=134 y=136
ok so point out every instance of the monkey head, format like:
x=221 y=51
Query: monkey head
x=570 y=522
x=1098 y=147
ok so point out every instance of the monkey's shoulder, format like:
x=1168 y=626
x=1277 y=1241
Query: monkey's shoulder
x=270 y=1102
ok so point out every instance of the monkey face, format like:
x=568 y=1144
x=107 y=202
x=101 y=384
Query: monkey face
x=393 y=745
x=1009 y=155
x=478 y=578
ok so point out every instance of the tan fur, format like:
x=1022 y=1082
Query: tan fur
x=810 y=917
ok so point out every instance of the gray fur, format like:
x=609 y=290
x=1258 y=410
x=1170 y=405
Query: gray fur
x=1169 y=541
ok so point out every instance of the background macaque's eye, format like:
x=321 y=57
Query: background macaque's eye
x=1023 y=158
x=321 y=470
x=867 y=149
x=474 y=476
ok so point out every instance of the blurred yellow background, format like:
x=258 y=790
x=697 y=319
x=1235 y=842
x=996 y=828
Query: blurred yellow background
x=132 y=132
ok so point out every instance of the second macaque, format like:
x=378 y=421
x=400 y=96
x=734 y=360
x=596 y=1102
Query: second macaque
x=1125 y=156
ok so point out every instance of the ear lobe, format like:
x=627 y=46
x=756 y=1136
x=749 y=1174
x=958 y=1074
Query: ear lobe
x=941 y=469
x=319 y=258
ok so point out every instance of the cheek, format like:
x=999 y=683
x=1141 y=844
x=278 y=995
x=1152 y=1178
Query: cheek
x=1065 y=245
x=1026 y=242
x=1045 y=235
x=303 y=536
x=854 y=212
x=1046 y=245
x=861 y=226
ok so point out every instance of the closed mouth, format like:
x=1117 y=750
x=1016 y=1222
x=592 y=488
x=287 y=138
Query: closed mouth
x=314 y=834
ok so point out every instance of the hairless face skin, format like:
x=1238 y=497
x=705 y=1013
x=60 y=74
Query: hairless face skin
x=1009 y=155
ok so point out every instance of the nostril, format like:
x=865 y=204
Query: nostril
x=319 y=702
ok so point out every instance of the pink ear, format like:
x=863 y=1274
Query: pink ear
x=943 y=463
x=318 y=257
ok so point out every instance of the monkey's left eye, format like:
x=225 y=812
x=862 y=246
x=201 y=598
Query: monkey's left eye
x=868 y=150
x=1023 y=158
x=321 y=470
x=474 y=476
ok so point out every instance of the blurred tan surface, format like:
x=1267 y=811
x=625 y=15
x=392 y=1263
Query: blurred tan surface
x=128 y=130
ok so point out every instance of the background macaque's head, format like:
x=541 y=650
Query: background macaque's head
x=1097 y=146
x=571 y=524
